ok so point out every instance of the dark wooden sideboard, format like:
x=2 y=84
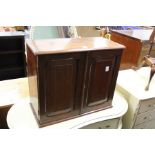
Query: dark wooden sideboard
x=71 y=77
x=12 y=55
x=136 y=43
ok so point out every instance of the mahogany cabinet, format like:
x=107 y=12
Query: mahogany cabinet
x=136 y=43
x=71 y=77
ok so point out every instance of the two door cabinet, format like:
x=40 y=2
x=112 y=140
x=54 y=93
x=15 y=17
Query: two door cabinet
x=71 y=77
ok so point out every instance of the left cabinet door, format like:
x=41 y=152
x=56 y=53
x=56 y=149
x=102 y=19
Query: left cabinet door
x=61 y=84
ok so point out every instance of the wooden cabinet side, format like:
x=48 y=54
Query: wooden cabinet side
x=33 y=80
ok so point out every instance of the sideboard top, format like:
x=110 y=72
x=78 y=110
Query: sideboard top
x=66 y=45
x=142 y=35
x=11 y=34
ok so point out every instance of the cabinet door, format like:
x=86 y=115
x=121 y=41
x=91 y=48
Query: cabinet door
x=61 y=79
x=100 y=80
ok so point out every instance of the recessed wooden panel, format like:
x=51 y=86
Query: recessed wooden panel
x=100 y=74
x=98 y=82
x=60 y=86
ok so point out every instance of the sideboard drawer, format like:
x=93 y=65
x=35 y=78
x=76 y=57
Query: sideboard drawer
x=108 y=124
x=146 y=125
x=147 y=105
x=147 y=116
x=141 y=118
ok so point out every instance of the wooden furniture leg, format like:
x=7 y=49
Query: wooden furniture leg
x=151 y=75
x=141 y=65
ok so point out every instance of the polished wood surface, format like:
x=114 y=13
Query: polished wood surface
x=67 y=85
x=136 y=43
x=62 y=81
x=142 y=35
x=131 y=52
x=68 y=45
x=101 y=75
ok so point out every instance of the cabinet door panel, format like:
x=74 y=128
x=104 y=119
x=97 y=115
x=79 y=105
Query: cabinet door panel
x=60 y=86
x=99 y=80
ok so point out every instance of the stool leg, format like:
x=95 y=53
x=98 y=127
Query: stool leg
x=151 y=75
x=141 y=65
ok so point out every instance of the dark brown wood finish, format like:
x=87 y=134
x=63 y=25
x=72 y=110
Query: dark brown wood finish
x=12 y=55
x=101 y=79
x=131 y=53
x=62 y=82
x=67 y=85
x=32 y=71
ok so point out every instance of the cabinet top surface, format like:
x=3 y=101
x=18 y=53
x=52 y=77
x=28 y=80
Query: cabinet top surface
x=9 y=34
x=66 y=45
x=142 y=35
